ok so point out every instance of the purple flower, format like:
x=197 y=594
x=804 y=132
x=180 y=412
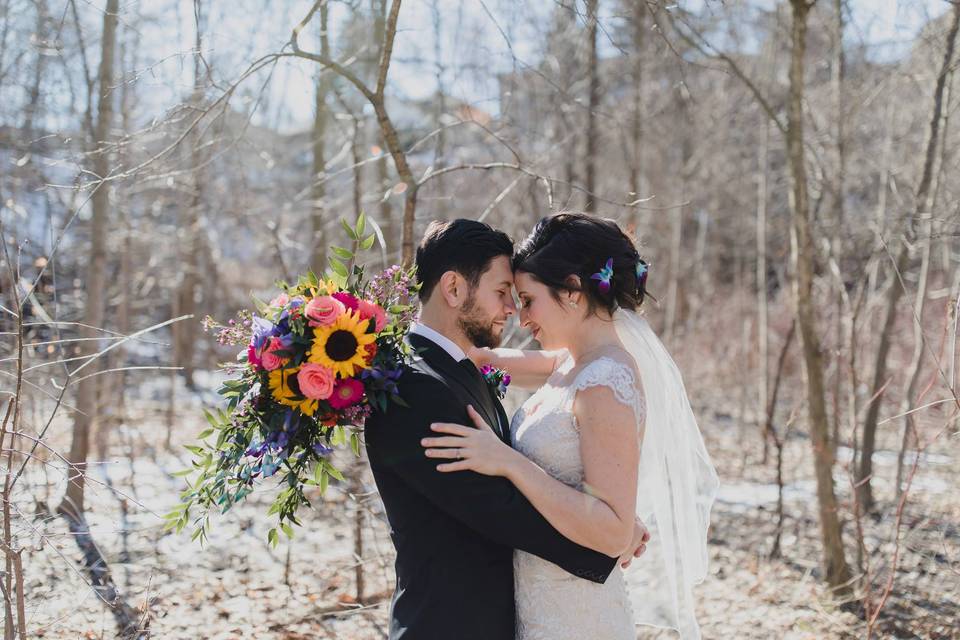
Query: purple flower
x=382 y=377
x=497 y=378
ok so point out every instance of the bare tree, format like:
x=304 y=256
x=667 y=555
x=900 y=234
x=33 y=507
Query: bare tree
x=922 y=205
x=804 y=259
x=72 y=505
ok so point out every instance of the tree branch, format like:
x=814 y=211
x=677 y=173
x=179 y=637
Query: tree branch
x=704 y=47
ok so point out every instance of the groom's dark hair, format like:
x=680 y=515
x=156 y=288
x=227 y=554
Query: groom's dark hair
x=461 y=245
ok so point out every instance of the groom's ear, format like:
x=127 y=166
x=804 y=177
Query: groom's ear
x=453 y=287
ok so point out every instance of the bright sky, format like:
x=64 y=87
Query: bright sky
x=475 y=32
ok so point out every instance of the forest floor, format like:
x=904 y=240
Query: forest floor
x=237 y=586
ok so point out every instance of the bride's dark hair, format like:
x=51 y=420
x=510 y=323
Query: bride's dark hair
x=569 y=244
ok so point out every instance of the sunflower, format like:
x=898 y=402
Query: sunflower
x=284 y=389
x=342 y=345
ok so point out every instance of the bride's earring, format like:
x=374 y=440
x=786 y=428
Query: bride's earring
x=572 y=303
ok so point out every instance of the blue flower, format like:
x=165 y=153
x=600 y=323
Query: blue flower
x=604 y=276
x=263 y=330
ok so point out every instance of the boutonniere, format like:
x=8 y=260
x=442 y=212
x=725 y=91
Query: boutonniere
x=498 y=379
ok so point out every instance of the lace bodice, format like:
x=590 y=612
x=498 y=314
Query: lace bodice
x=552 y=604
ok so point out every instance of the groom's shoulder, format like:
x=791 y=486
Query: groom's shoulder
x=420 y=376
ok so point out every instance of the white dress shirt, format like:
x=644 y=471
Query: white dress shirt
x=443 y=341
x=447 y=345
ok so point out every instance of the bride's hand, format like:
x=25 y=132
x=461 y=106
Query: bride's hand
x=472 y=449
x=641 y=536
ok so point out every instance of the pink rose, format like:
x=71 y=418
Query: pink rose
x=315 y=381
x=270 y=360
x=323 y=310
x=348 y=300
x=373 y=310
x=280 y=300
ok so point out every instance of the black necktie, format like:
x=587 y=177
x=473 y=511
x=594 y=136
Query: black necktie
x=471 y=369
x=474 y=373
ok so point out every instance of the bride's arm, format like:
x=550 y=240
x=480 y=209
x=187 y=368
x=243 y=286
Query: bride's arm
x=602 y=517
x=528 y=369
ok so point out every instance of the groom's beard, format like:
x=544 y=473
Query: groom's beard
x=479 y=330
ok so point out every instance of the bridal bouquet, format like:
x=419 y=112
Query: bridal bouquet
x=312 y=364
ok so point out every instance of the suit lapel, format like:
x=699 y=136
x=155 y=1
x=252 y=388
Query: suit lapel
x=441 y=361
x=504 y=421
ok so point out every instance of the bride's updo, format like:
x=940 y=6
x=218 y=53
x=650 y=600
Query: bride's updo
x=567 y=244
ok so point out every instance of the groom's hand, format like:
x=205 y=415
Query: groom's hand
x=641 y=536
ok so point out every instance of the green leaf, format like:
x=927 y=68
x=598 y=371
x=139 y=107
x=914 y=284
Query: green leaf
x=338 y=267
x=194 y=449
x=333 y=471
x=181 y=473
x=324 y=481
x=367 y=242
x=345 y=254
x=361 y=224
x=273 y=538
x=355 y=444
x=348 y=229
x=210 y=417
x=287 y=529
x=203 y=434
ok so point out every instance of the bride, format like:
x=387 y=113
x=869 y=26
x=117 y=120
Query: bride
x=607 y=436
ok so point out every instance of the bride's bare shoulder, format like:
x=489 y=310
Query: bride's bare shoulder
x=614 y=352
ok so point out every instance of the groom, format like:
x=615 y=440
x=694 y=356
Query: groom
x=455 y=532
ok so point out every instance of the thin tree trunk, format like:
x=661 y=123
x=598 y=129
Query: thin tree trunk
x=193 y=246
x=804 y=257
x=8 y=552
x=590 y=159
x=676 y=222
x=391 y=232
x=32 y=107
x=636 y=120
x=763 y=335
x=921 y=205
x=440 y=97
x=770 y=433
x=73 y=501
x=926 y=239
x=839 y=192
x=318 y=188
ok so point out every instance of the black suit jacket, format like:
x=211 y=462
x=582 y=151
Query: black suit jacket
x=455 y=532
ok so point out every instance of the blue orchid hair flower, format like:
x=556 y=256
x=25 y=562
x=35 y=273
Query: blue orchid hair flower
x=642 y=270
x=604 y=276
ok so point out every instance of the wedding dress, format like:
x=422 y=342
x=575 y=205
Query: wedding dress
x=551 y=603
x=676 y=487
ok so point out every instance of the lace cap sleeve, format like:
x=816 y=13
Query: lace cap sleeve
x=619 y=377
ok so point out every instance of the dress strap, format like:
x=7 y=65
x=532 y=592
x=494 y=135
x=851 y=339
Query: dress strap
x=619 y=377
